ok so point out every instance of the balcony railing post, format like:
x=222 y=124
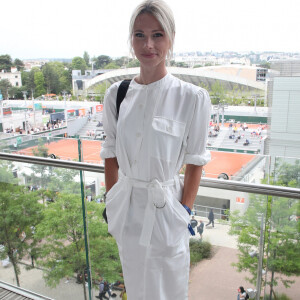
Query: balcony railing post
x=84 y=223
x=260 y=258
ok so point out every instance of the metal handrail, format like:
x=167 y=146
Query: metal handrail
x=232 y=185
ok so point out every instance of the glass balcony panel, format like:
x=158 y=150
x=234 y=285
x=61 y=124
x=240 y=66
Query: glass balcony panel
x=102 y=251
x=42 y=230
x=104 y=259
x=42 y=146
x=283 y=240
x=91 y=151
x=286 y=171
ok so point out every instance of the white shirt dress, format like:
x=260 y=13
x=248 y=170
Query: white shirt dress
x=160 y=127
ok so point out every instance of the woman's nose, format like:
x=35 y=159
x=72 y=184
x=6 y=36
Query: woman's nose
x=148 y=43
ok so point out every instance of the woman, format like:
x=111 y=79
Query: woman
x=241 y=293
x=162 y=124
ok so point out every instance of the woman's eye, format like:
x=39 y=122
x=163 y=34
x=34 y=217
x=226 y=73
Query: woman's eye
x=138 y=34
x=158 y=34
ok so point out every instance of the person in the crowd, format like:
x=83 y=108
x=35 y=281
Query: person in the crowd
x=194 y=222
x=241 y=293
x=211 y=218
x=200 y=229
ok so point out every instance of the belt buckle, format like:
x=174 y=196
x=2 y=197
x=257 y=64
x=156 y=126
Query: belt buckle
x=158 y=206
x=159 y=194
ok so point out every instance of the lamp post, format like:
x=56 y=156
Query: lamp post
x=260 y=259
x=33 y=107
x=218 y=107
x=25 y=98
x=1 y=100
x=66 y=112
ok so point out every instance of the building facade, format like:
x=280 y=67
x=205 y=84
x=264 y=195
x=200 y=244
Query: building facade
x=284 y=103
x=14 y=77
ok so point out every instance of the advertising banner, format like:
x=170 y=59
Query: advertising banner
x=99 y=107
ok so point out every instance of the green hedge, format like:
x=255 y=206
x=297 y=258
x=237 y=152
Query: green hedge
x=199 y=250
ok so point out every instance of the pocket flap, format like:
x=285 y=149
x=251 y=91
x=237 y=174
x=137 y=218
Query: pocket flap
x=168 y=126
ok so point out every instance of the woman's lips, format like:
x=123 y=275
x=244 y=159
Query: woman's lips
x=149 y=55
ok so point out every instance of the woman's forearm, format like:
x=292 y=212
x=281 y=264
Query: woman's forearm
x=111 y=172
x=192 y=178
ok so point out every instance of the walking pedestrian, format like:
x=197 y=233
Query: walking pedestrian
x=200 y=228
x=162 y=124
x=211 y=218
x=102 y=290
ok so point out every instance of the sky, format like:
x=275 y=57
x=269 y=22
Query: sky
x=67 y=28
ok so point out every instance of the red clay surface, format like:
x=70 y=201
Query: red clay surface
x=226 y=162
x=67 y=149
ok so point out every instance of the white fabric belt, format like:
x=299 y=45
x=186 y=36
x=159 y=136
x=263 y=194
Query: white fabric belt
x=156 y=200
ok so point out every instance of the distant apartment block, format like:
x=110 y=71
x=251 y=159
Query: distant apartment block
x=34 y=63
x=14 y=77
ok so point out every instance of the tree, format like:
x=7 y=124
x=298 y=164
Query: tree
x=78 y=63
x=122 y=61
x=5 y=85
x=5 y=63
x=19 y=64
x=217 y=92
x=28 y=78
x=100 y=90
x=281 y=235
x=19 y=214
x=57 y=77
x=112 y=65
x=13 y=92
x=134 y=63
x=101 y=61
x=39 y=82
x=265 y=64
x=63 y=250
x=65 y=80
x=181 y=65
x=51 y=78
x=86 y=58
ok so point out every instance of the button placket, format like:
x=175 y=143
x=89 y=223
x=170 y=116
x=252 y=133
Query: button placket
x=139 y=133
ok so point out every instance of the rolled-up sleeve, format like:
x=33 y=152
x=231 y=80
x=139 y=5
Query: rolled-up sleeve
x=108 y=149
x=196 y=153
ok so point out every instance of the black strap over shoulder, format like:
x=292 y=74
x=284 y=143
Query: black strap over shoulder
x=122 y=90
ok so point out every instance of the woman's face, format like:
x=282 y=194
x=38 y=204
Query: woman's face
x=149 y=41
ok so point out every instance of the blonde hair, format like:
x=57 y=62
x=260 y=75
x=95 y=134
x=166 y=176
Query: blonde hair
x=163 y=14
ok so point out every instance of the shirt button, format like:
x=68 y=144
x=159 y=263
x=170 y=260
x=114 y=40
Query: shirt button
x=138 y=134
x=169 y=129
x=141 y=106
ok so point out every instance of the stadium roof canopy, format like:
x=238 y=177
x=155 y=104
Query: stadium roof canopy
x=204 y=77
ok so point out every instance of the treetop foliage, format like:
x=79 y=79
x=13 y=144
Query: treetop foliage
x=281 y=230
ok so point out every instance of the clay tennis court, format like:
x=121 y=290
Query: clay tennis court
x=67 y=149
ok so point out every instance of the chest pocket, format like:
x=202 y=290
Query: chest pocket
x=167 y=137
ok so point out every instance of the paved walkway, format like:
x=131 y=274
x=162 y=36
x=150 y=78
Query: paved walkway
x=217 y=278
